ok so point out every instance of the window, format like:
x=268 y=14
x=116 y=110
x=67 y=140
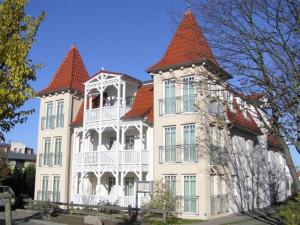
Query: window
x=170 y=99
x=129 y=186
x=129 y=101
x=211 y=135
x=45 y=182
x=129 y=142
x=189 y=143
x=46 y=159
x=48 y=117
x=111 y=183
x=170 y=144
x=170 y=182
x=57 y=151
x=190 y=203
x=56 y=194
x=111 y=142
x=188 y=94
x=59 y=113
x=212 y=185
x=219 y=138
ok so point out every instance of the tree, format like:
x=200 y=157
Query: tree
x=17 y=34
x=258 y=42
x=162 y=198
x=4 y=168
x=29 y=178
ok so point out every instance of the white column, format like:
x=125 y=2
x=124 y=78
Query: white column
x=118 y=137
x=141 y=149
x=124 y=94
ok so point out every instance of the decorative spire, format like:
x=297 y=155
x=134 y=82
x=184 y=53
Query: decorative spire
x=70 y=75
x=188 y=46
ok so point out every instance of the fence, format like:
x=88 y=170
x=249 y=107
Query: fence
x=176 y=105
x=219 y=204
x=99 y=207
x=50 y=159
x=178 y=153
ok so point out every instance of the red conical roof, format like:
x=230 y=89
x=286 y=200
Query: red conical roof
x=70 y=76
x=187 y=46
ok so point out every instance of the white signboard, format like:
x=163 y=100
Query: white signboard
x=144 y=187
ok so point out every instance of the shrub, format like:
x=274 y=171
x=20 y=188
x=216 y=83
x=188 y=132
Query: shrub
x=290 y=212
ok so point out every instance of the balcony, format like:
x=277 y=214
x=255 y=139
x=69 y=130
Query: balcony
x=123 y=201
x=187 y=205
x=178 y=153
x=50 y=159
x=177 y=105
x=123 y=157
x=219 y=204
x=51 y=122
x=107 y=113
x=218 y=155
x=53 y=196
x=216 y=108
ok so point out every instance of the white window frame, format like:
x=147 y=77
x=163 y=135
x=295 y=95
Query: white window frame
x=164 y=143
x=182 y=141
x=163 y=107
x=196 y=195
x=182 y=85
x=56 y=115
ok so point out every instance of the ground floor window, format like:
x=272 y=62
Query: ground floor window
x=189 y=189
x=129 y=186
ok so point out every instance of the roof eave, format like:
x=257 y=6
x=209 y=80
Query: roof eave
x=42 y=93
x=246 y=129
x=206 y=62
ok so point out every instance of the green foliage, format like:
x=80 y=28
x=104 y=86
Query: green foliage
x=17 y=33
x=290 y=212
x=22 y=183
x=4 y=168
x=29 y=178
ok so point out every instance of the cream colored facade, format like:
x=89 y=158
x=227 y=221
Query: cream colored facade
x=232 y=163
x=52 y=171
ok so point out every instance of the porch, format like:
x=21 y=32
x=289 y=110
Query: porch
x=107 y=188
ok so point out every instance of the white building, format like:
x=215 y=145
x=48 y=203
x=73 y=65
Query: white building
x=99 y=135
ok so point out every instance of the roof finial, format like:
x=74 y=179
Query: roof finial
x=73 y=44
x=102 y=68
x=188 y=9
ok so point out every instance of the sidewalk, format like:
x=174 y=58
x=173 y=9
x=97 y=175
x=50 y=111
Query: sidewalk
x=258 y=217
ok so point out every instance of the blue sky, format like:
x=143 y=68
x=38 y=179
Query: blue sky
x=123 y=36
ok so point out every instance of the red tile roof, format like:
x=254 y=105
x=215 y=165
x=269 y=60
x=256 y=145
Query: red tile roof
x=188 y=46
x=254 y=96
x=271 y=140
x=143 y=104
x=79 y=117
x=238 y=119
x=70 y=76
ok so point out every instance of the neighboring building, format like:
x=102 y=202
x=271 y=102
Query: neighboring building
x=99 y=135
x=17 y=154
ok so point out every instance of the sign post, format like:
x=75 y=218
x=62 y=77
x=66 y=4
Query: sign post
x=142 y=187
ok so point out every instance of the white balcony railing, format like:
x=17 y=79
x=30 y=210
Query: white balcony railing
x=126 y=157
x=123 y=201
x=107 y=113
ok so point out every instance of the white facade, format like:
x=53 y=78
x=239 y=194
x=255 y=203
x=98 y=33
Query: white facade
x=110 y=154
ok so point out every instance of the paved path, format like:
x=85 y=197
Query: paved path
x=259 y=217
x=19 y=216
